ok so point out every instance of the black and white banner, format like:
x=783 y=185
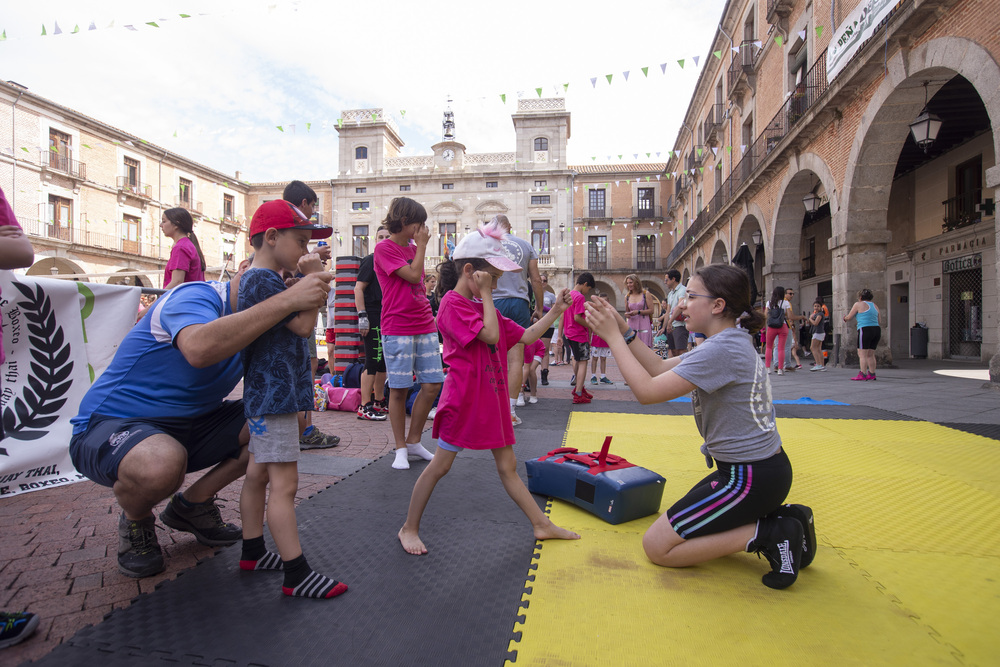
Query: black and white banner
x=58 y=336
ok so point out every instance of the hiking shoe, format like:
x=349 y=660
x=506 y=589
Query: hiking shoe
x=545 y=377
x=367 y=412
x=780 y=540
x=804 y=515
x=606 y=380
x=860 y=377
x=16 y=626
x=139 y=554
x=202 y=520
x=316 y=439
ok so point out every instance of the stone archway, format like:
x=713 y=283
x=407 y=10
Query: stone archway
x=720 y=254
x=860 y=232
x=53 y=266
x=131 y=281
x=609 y=290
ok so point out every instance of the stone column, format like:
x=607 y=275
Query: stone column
x=993 y=181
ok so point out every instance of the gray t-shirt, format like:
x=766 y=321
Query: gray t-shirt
x=732 y=405
x=515 y=284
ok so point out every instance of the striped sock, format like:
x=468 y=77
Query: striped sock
x=269 y=561
x=315 y=585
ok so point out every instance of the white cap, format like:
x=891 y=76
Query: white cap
x=482 y=244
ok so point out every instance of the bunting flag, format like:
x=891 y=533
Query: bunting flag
x=593 y=80
x=717 y=54
x=539 y=91
x=625 y=74
x=503 y=98
x=57 y=31
x=663 y=67
x=645 y=72
x=819 y=31
x=681 y=63
x=695 y=59
x=609 y=78
x=802 y=35
x=779 y=40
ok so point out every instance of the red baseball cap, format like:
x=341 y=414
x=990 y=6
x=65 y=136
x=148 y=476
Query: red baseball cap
x=279 y=214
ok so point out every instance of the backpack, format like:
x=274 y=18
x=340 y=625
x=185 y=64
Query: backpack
x=776 y=317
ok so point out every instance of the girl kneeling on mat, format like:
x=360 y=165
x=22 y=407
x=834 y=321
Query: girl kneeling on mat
x=474 y=410
x=739 y=506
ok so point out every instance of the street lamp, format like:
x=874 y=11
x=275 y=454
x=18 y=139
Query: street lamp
x=927 y=125
x=562 y=231
x=756 y=237
x=811 y=202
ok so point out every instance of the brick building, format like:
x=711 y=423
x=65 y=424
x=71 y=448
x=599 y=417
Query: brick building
x=799 y=134
x=91 y=196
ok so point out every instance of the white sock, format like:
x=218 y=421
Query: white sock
x=401 y=462
x=416 y=449
x=603 y=376
x=513 y=403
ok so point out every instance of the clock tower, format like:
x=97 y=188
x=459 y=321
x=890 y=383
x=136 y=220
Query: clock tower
x=449 y=153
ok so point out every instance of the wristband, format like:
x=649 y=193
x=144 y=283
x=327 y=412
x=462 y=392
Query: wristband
x=630 y=335
x=363 y=314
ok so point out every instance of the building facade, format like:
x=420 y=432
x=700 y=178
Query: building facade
x=91 y=196
x=799 y=135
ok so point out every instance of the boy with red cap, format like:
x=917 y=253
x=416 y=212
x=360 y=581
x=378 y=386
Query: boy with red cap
x=276 y=388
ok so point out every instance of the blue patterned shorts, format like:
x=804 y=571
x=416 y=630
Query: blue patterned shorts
x=406 y=356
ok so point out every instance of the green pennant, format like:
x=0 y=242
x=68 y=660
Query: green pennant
x=175 y=134
x=308 y=126
x=619 y=157
x=340 y=122
x=503 y=98
x=717 y=54
x=565 y=87
x=374 y=116
x=43 y=30
x=402 y=112
x=152 y=23
x=729 y=149
x=819 y=31
x=779 y=40
x=85 y=145
x=594 y=158
x=539 y=91
x=280 y=129
x=700 y=152
x=609 y=78
x=3 y=37
x=75 y=30
x=185 y=16
x=645 y=72
x=681 y=63
x=647 y=157
x=701 y=170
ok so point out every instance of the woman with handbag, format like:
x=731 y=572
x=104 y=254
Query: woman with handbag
x=778 y=312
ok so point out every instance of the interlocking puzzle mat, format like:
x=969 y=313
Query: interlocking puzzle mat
x=907 y=570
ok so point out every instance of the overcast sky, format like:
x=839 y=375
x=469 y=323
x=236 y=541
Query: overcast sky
x=224 y=79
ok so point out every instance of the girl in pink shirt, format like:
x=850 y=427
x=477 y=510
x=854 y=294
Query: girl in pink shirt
x=533 y=355
x=474 y=410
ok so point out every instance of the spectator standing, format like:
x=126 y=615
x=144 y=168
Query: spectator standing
x=368 y=300
x=677 y=333
x=817 y=328
x=792 y=343
x=778 y=311
x=578 y=335
x=186 y=263
x=548 y=300
x=513 y=299
x=638 y=309
x=869 y=333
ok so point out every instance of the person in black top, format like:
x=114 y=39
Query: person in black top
x=368 y=301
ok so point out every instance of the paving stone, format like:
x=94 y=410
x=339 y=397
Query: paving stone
x=70 y=557
x=88 y=582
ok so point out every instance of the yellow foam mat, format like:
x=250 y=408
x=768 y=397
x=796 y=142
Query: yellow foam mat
x=907 y=571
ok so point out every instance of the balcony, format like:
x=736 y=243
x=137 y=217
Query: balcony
x=714 y=128
x=742 y=75
x=778 y=12
x=964 y=210
x=64 y=164
x=191 y=206
x=88 y=240
x=598 y=213
x=646 y=210
x=133 y=188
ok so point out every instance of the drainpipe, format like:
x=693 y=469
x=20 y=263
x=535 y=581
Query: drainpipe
x=159 y=199
x=13 y=150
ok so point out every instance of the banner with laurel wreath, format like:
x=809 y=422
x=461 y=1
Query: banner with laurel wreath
x=58 y=336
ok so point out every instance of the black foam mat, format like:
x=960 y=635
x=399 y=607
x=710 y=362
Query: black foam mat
x=985 y=430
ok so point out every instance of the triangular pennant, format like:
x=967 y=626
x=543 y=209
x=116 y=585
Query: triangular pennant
x=715 y=151
x=802 y=35
x=657 y=177
x=340 y=122
x=85 y=146
x=819 y=31
x=57 y=31
x=402 y=112
x=729 y=149
x=645 y=71
x=565 y=87
x=647 y=155
x=701 y=170
x=152 y=23
x=625 y=73
x=539 y=91
x=93 y=26
x=635 y=156
x=717 y=54
x=374 y=117
x=593 y=81
x=700 y=151
x=608 y=77
x=308 y=126
x=619 y=157
x=695 y=59
x=503 y=98
x=76 y=29
x=112 y=24
x=43 y=30
x=132 y=28
x=758 y=44
x=594 y=158
x=3 y=37
x=735 y=49
x=681 y=63
x=280 y=129
x=743 y=148
x=185 y=16
x=779 y=40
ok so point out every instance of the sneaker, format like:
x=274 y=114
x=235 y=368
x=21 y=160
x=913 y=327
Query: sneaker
x=860 y=377
x=367 y=412
x=433 y=413
x=532 y=400
x=316 y=439
x=870 y=376
x=545 y=377
x=572 y=380
x=202 y=520
x=15 y=627
x=781 y=371
x=780 y=540
x=381 y=407
x=514 y=419
x=804 y=516
x=798 y=366
x=586 y=393
x=593 y=379
x=579 y=398
x=139 y=554
x=606 y=380
x=520 y=400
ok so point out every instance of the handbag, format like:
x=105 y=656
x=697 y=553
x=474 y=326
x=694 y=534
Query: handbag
x=343 y=399
x=776 y=317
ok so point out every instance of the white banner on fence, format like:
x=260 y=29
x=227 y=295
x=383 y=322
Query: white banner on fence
x=853 y=32
x=58 y=336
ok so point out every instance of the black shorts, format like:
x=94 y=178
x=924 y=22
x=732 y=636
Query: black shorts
x=208 y=439
x=735 y=495
x=549 y=333
x=581 y=351
x=374 y=357
x=868 y=337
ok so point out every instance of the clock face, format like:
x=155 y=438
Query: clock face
x=448 y=154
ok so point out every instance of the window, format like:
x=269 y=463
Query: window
x=540 y=184
x=447 y=232
x=596 y=200
x=645 y=253
x=809 y=261
x=359 y=240
x=60 y=214
x=359 y=206
x=131 y=227
x=228 y=207
x=447 y=186
x=360 y=191
x=540 y=200
x=540 y=236
x=60 y=150
x=597 y=252
x=361 y=153
x=491 y=185
x=645 y=207
x=185 y=192
x=961 y=209
x=541 y=144
x=404 y=188
x=131 y=174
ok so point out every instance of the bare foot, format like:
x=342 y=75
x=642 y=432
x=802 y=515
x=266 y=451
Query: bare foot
x=553 y=532
x=411 y=542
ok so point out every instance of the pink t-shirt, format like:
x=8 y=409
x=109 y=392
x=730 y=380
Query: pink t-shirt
x=184 y=257
x=536 y=349
x=574 y=331
x=474 y=409
x=405 y=308
x=597 y=341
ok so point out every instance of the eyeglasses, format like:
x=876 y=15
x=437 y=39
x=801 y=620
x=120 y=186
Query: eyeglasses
x=692 y=295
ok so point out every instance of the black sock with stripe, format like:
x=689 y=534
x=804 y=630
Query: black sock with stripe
x=302 y=581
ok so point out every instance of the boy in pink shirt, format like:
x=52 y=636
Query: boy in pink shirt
x=578 y=335
x=409 y=336
x=474 y=411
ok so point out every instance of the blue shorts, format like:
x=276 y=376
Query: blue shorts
x=409 y=356
x=515 y=309
x=208 y=439
x=448 y=448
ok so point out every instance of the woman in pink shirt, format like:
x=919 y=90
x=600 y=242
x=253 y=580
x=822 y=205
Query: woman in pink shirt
x=186 y=263
x=474 y=410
